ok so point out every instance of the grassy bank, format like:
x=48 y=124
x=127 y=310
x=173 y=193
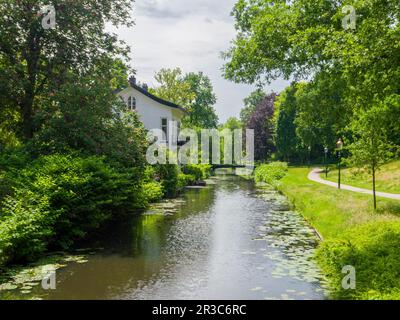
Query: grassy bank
x=353 y=235
x=387 y=179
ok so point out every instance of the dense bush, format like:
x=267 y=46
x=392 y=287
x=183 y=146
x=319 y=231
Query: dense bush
x=152 y=190
x=199 y=171
x=185 y=180
x=58 y=199
x=167 y=174
x=11 y=162
x=270 y=173
x=373 y=250
x=53 y=201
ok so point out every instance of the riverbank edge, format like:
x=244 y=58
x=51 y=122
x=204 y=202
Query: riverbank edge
x=341 y=245
x=56 y=260
x=291 y=204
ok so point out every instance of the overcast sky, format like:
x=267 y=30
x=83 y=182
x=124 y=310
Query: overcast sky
x=190 y=35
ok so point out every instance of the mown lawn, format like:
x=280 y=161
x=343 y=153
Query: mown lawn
x=387 y=179
x=354 y=234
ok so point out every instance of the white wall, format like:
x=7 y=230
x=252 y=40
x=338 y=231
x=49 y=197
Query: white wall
x=151 y=112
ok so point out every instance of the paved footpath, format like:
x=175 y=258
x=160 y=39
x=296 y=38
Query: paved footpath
x=315 y=176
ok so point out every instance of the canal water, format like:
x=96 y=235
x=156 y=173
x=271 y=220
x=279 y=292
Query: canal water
x=229 y=240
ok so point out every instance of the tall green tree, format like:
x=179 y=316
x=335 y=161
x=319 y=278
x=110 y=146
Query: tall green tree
x=250 y=104
x=172 y=87
x=306 y=39
x=232 y=124
x=34 y=60
x=303 y=37
x=192 y=91
x=372 y=147
x=322 y=115
x=286 y=140
x=201 y=113
x=86 y=115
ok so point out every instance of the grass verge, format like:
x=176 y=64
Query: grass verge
x=387 y=179
x=354 y=234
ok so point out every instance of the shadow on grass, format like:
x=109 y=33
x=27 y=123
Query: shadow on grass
x=389 y=208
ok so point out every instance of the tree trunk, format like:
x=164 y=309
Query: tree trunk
x=31 y=55
x=374 y=185
x=27 y=115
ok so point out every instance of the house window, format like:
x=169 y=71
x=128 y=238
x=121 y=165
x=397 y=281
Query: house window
x=164 y=127
x=132 y=103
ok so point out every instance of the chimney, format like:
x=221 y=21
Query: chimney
x=145 y=87
x=132 y=81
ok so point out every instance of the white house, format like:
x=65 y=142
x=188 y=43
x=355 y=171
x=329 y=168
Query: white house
x=154 y=112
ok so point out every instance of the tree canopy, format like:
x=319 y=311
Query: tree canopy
x=35 y=61
x=193 y=91
x=250 y=104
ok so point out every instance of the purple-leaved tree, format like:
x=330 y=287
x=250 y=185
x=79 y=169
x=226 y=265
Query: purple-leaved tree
x=261 y=122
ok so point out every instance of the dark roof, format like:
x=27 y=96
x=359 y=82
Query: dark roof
x=157 y=99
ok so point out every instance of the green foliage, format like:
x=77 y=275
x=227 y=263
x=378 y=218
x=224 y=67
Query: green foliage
x=34 y=64
x=271 y=173
x=322 y=114
x=354 y=234
x=172 y=87
x=232 y=124
x=185 y=180
x=11 y=162
x=26 y=226
x=86 y=115
x=373 y=250
x=350 y=71
x=198 y=171
x=310 y=115
x=201 y=113
x=372 y=147
x=9 y=120
x=152 y=191
x=58 y=199
x=167 y=174
x=286 y=140
x=193 y=91
x=250 y=104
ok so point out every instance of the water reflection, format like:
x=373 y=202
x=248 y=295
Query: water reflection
x=229 y=240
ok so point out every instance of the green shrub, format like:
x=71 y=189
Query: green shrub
x=193 y=170
x=199 y=171
x=26 y=226
x=167 y=174
x=374 y=251
x=152 y=191
x=185 y=180
x=271 y=173
x=11 y=162
x=59 y=199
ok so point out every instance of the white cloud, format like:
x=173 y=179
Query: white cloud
x=190 y=35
